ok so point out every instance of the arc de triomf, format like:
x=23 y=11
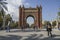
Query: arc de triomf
x=36 y=13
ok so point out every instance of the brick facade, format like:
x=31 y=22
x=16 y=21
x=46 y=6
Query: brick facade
x=35 y=12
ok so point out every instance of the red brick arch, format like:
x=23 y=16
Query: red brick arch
x=35 y=12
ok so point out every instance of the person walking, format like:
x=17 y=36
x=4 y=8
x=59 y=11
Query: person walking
x=22 y=28
x=34 y=27
x=59 y=26
x=49 y=29
x=8 y=27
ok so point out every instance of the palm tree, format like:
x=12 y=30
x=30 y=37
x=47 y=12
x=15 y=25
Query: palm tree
x=1 y=20
x=2 y=4
x=8 y=18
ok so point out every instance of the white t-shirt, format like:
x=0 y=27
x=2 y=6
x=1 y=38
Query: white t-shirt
x=9 y=23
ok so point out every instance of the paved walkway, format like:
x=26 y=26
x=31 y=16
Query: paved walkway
x=17 y=34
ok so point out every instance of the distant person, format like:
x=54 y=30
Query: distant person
x=59 y=26
x=34 y=28
x=8 y=27
x=49 y=29
x=22 y=27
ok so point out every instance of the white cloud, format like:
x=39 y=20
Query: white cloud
x=27 y=4
x=13 y=8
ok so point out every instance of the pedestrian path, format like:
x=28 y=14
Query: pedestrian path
x=18 y=34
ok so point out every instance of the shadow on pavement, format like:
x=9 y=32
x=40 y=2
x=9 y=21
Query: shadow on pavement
x=54 y=37
x=34 y=37
x=10 y=37
x=31 y=37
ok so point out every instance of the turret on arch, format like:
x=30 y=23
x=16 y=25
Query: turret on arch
x=35 y=12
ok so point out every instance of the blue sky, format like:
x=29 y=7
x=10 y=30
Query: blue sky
x=49 y=8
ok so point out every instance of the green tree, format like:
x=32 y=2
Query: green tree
x=54 y=24
x=14 y=25
x=58 y=13
x=8 y=18
x=46 y=22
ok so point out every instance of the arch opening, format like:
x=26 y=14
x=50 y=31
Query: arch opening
x=30 y=20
